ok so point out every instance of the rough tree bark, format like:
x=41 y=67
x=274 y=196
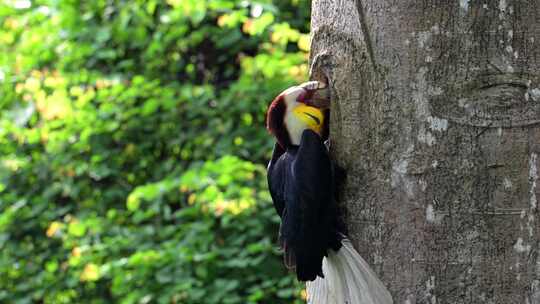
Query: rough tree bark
x=436 y=118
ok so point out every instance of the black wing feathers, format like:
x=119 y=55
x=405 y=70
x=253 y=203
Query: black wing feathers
x=300 y=182
x=276 y=180
x=312 y=175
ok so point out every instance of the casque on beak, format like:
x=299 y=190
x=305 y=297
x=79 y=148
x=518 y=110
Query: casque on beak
x=321 y=98
x=320 y=94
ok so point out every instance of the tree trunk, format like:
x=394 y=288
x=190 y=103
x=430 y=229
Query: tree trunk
x=436 y=118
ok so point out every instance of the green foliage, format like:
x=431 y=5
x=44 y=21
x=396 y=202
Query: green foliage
x=132 y=145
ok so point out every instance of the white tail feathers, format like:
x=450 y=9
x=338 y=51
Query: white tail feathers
x=347 y=280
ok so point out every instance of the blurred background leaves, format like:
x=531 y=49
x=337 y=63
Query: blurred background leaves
x=132 y=149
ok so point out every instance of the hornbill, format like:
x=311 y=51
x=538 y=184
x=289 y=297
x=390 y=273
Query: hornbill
x=301 y=181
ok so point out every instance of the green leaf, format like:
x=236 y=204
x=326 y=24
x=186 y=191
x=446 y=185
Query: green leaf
x=76 y=228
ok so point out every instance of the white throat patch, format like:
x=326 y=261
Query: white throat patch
x=294 y=126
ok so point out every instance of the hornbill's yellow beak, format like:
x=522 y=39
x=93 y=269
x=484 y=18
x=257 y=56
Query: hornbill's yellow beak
x=311 y=116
